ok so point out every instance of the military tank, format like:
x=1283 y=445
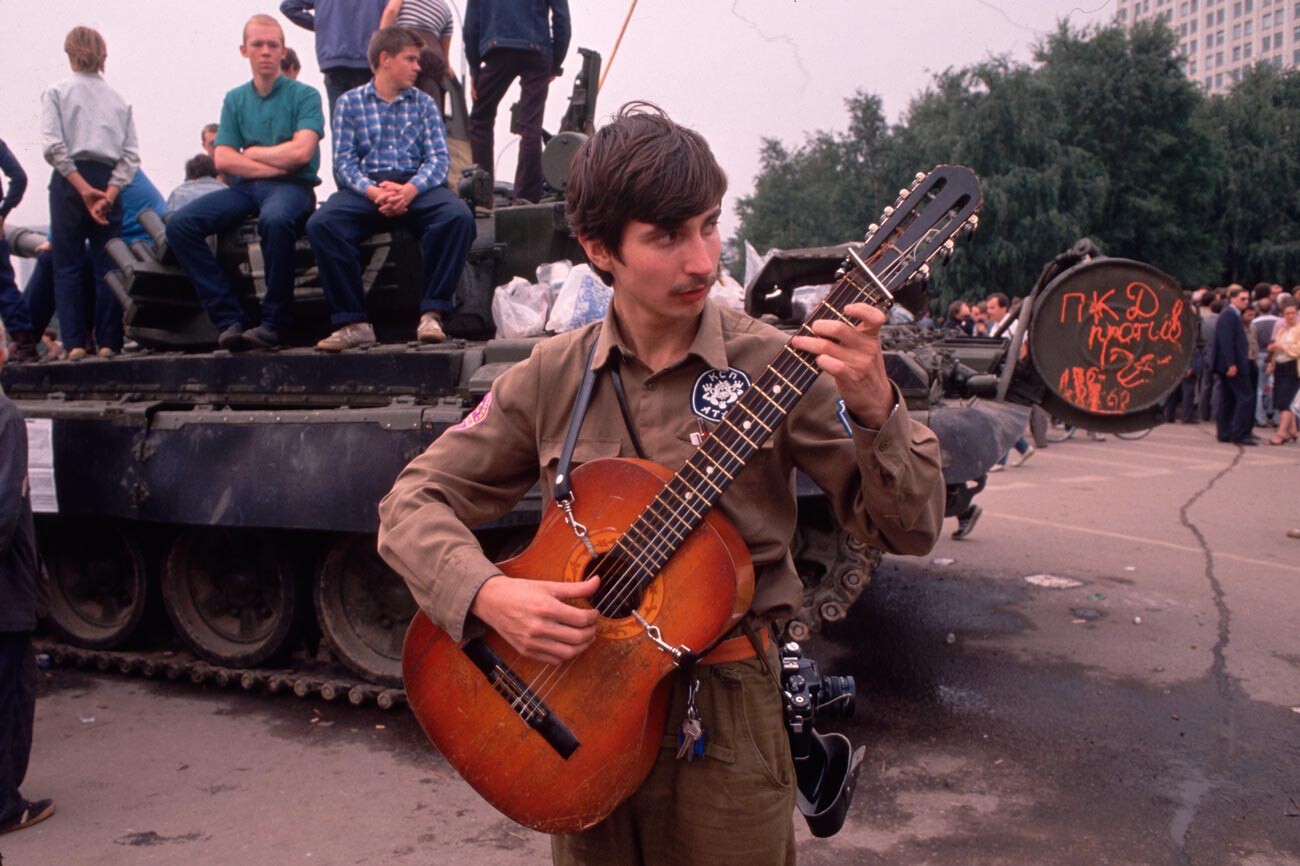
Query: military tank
x=233 y=496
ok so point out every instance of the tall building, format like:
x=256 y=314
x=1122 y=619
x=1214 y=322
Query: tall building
x=1221 y=38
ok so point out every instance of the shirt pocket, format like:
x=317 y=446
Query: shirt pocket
x=584 y=451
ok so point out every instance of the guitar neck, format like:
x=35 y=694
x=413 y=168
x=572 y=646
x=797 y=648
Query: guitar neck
x=693 y=491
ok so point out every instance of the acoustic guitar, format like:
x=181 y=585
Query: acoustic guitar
x=559 y=747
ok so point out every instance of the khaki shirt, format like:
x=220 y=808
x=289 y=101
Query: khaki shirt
x=886 y=486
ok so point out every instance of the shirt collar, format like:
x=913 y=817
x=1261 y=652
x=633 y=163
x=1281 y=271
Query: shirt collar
x=369 y=92
x=708 y=344
x=275 y=86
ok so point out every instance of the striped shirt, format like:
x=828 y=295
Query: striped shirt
x=373 y=137
x=431 y=15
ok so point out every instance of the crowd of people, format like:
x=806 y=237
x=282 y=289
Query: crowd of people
x=385 y=64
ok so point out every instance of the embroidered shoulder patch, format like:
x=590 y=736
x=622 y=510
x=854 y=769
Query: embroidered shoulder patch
x=715 y=391
x=477 y=415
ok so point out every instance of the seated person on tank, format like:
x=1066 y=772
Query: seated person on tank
x=390 y=155
x=268 y=146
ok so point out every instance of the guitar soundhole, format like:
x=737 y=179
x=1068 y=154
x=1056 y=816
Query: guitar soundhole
x=620 y=593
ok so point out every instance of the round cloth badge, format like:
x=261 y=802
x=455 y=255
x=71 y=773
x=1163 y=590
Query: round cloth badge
x=715 y=391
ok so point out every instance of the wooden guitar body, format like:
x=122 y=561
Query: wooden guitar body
x=557 y=748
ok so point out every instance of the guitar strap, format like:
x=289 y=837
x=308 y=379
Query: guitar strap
x=563 y=491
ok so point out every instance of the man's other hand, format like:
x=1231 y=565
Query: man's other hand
x=537 y=617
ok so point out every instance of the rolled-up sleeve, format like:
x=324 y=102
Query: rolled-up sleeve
x=473 y=473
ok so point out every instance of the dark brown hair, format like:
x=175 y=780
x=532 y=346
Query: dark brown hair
x=200 y=165
x=642 y=166
x=390 y=41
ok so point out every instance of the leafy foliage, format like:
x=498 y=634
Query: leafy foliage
x=1101 y=136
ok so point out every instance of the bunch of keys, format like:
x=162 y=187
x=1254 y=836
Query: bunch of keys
x=690 y=739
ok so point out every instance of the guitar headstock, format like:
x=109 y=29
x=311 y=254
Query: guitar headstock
x=917 y=227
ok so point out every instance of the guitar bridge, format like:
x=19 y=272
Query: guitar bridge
x=530 y=708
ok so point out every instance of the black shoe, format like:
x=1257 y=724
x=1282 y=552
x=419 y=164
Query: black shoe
x=22 y=347
x=232 y=339
x=33 y=812
x=966 y=521
x=1246 y=440
x=262 y=337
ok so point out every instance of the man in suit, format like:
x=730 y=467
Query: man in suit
x=1232 y=367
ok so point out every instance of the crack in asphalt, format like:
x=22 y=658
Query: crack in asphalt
x=1197 y=786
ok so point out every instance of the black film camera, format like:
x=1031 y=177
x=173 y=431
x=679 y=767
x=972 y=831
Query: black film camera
x=826 y=765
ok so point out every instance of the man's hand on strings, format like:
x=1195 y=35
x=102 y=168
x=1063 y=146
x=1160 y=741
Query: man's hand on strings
x=536 y=617
x=854 y=358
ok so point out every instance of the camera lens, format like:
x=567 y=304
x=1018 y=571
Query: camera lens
x=838 y=696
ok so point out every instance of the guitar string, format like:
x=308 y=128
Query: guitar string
x=626 y=579
x=550 y=675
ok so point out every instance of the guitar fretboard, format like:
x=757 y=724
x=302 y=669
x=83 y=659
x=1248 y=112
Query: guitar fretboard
x=678 y=509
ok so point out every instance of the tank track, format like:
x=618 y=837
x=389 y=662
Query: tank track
x=835 y=568
x=313 y=680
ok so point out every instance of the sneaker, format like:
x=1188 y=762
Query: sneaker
x=1019 y=459
x=430 y=329
x=966 y=521
x=1096 y=437
x=232 y=339
x=33 y=812
x=351 y=336
x=997 y=467
x=76 y=354
x=105 y=352
x=1293 y=533
x=262 y=337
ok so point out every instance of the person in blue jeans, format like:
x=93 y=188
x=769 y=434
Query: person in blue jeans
x=268 y=145
x=390 y=154
x=13 y=309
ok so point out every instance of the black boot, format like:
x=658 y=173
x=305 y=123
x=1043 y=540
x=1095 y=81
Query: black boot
x=22 y=347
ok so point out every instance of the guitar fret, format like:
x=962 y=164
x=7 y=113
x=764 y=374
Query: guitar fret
x=778 y=406
x=794 y=353
x=715 y=462
x=714 y=439
x=703 y=477
x=750 y=442
x=750 y=413
x=785 y=380
x=683 y=501
x=836 y=313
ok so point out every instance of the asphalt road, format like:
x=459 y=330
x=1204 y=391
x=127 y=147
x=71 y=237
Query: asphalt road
x=1148 y=715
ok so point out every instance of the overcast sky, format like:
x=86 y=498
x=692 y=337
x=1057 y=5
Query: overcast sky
x=737 y=70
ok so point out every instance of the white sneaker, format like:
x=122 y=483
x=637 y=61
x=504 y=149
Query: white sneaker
x=351 y=336
x=997 y=467
x=1019 y=459
x=430 y=329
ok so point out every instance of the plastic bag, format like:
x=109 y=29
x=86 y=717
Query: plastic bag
x=727 y=292
x=582 y=300
x=519 y=309
x=552 y=275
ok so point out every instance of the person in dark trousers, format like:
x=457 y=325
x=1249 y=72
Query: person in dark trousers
x=22 y=596
x=13 y=307
x=268 y=145
x=342 y=29
x=505 y=40
x=390 y=150
x=88 y=136
x=1232 y=367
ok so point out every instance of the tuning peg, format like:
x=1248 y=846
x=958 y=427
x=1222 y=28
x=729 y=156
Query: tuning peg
x=902 y=196
x=839 y=273
x=872 y=229
x=949 y=245
x=886 y=213
x=920 y=176
x=972 y=224
x=924 y=270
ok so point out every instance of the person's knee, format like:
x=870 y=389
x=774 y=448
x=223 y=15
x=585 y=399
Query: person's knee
x=276 y=224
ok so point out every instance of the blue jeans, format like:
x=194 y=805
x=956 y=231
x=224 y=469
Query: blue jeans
x=13 y=307
x=71 y=229
x=1021 y=446
x=442 y=221
x=281 y=207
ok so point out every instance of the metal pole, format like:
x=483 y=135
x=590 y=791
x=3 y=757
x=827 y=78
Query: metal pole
x=617 y=42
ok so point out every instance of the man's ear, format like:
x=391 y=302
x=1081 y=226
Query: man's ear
x=598 y=253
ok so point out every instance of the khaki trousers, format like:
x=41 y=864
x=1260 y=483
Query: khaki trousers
x=735 y=805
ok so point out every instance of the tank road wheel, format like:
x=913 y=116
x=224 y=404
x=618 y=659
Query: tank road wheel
x=231 y=595
x=834 y=566
x=98 y=582
x=364 y=608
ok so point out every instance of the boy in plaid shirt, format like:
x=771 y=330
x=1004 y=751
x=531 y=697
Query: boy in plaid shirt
x=390 y=156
